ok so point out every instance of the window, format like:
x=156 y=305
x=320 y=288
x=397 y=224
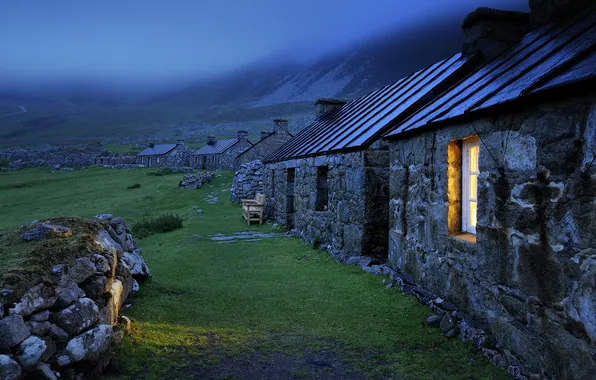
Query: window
x=272 y=183
x=470 y=171
x=322 y=189
x=291 y=176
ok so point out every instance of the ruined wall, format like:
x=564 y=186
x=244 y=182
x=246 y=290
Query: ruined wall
x=264 y=148
x=345 y=226
x=248 y=181
x=530 y=274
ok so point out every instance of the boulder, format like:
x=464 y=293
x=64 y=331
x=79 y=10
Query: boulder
x=47 y=231
x=82 y=269
x=57 y=334
x=77 y=317
x=41 y=316
x=107 y=217
x=105 y=241
x=9 y=369
x=361 y=261
x=135 y=286
x=447 y=323
x=37 y=298
x=44 y=372
x=434 y=320
x=67 y=295
x=137 y=265
x=39 y=328
x=87 y=347
x=30 y=351
x=12 y=331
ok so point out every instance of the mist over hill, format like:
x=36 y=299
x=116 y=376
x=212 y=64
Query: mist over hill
x=247 y=98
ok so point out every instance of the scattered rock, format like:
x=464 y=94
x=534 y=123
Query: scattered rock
x=199 y=211
x=361 y=261
x=30 y=351
x=107 y=217
x=196 y=181
x=47 y=231
x=447 y=323
x=9 y=369
x=135 y=286
x=77 y=317
x=12 y=331
x=434 y=320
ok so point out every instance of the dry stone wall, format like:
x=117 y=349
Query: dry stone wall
x=248 y=181
x=63 y=326
x=528 y=279
x=354 y=222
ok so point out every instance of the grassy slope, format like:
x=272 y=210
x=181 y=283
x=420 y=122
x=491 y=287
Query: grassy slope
x=209 y=301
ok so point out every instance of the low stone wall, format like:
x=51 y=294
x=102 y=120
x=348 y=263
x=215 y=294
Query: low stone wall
x=196 y=181
x=63 y=326
x=248 y=181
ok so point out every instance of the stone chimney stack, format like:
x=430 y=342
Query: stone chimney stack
x=545 y=11
x=489 y=32
x=210 y=139
x=326 y=105
x=180 y=142
x=280 y=126
x=264 y=134
x=242 y=135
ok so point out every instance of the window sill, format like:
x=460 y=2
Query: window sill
x=465 y=236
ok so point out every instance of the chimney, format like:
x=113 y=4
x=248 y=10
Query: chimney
x=180 y=142
x=242 y=135
x=264 y=134
x=490 y=32
x=280 y=125
x=326 y=105
x=545 y=11
x=210 y=139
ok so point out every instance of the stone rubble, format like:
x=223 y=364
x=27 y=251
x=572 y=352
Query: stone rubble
x=72 y=316
x=196 y=181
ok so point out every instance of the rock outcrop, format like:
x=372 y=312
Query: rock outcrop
x=62 y=326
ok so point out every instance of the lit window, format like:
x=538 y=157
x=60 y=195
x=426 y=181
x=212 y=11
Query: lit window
x=470 y=153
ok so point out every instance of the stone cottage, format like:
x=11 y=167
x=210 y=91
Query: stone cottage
x=5 y=155
x=493 y=191
x=165 y=155
x=269 y=143
x=221 y=154
x=330 y=182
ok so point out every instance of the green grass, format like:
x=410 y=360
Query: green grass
x=210 y=301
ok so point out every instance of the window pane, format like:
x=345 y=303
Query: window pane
x=474 y=158
x=473 y=186
x=473 y=214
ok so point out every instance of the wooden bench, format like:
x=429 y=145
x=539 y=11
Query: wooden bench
x=252 y=209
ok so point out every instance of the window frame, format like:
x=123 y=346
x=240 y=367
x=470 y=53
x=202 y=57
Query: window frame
x=467 y=173
x=322 y=199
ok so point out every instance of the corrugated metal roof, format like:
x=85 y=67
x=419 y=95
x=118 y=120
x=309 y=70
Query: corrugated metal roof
x=360 y=122
x=157 y=150
x=551 y=55
x=216 y=147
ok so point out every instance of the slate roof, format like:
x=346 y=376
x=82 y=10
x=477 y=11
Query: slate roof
x=258 y=142
x=359 y=123
x=217 y=147
x=157 y=150
x=549 y=56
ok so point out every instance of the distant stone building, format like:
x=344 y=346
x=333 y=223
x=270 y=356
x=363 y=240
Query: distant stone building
x=104 y=158
x=5 y=155
x=493 y=190
x=331 y=182
x=221 y=154
x=269 y=143
x=165 y=155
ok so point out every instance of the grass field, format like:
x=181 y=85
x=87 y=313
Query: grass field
x=273 y=308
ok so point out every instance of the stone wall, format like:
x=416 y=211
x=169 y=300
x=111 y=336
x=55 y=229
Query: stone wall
x=355 y=218
x=529 y=277
x=223 y=161
x=264 y=148
x=248 y=181
x=72 y=156
x=63 y=326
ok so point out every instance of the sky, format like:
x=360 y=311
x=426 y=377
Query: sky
x=134 y=42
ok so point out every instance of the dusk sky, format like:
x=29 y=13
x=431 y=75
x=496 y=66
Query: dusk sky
x=153 y=41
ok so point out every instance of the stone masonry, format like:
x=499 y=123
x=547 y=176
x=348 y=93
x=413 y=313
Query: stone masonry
x=248 y=181
x=529 y=277
x=355 y=220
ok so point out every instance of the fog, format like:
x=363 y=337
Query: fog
x=141 y=44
